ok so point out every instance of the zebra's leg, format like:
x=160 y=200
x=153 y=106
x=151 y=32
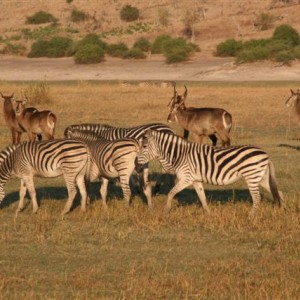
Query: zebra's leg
x=255 y=195
x=22 y=195
x=179 y=186
x=80 y=180
x=124 y=180
x=201 y=194
x=28 y=182
x=103 y=191
x=144 y=183
x=71 y=187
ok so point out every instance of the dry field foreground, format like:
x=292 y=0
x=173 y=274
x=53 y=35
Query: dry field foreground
x=134 y=254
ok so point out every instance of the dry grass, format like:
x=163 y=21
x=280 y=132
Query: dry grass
x=134 y=254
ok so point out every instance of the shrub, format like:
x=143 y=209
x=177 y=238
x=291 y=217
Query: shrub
x=129 y=13
x=117 y=50
x=177 y=50
x=251 y=55
x=275 y=46
x=157 y=46
x=89 y=54
x=284 y=57
x=58 y=46
x=228 y=48
x=92 y=38
x=135 y=53
x=69 y=1
x=143 y=44
x=297 y=52
x=11 y=48
x=40 y=33
x=287 y=33
x=41 y=17
x=39 y=49
x=78 y=16
x=55 y=47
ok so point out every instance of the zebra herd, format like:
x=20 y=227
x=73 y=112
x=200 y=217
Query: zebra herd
x=91 y=151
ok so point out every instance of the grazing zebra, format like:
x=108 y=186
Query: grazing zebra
x=194 y=164
x=111 y=159
x=50 y=158
x=112 y=133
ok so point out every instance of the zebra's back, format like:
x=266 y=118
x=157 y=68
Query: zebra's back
x=112 y=133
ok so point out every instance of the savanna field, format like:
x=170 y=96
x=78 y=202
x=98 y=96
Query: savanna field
x=132 y=253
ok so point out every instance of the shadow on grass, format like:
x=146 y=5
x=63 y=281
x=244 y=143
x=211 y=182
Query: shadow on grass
x=186 y=197
x=61 y=193
x=290 y=146
x=189 y=196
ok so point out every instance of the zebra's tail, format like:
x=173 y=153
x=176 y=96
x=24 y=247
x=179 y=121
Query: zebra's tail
x=277 y=195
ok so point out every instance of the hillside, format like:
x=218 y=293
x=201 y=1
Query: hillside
x=216 y=21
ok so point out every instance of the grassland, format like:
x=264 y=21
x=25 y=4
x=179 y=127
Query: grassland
x=134 y=254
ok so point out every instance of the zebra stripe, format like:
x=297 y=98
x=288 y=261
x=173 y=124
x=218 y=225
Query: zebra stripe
x=111 y=159
x=112 y=133
x=50 y=158
x=194 y=164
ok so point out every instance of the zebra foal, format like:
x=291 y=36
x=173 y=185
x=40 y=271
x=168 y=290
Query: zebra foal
x=112 y=159
x=194 y=164
x=52 y=158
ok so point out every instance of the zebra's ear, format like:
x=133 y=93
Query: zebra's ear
x=147 y=135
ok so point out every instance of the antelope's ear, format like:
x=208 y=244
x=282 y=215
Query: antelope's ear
x=12 y=95
x=293 y=93
x=24 y=101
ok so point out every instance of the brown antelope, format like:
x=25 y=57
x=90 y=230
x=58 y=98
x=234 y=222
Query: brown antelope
x=35 y=123
x=11 y=120
x=294 y=100
x=200 y=122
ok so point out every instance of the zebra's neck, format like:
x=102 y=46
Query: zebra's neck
x=171 y=150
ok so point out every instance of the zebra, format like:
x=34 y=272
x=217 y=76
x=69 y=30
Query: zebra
x=194 y=164
x=111 y=159
x=50 y=158
x=113 y=133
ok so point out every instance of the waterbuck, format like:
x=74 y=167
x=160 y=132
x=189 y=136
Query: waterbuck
x=10 y=118
x=294 y=100
x=200 y=122
x=35 y=123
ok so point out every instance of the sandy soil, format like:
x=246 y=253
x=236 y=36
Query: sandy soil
x=154 y=68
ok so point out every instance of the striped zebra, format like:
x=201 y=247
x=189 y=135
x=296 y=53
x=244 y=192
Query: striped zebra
x=113 y=133
x=194 y=164
x=50 y=158
x=111 y=159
